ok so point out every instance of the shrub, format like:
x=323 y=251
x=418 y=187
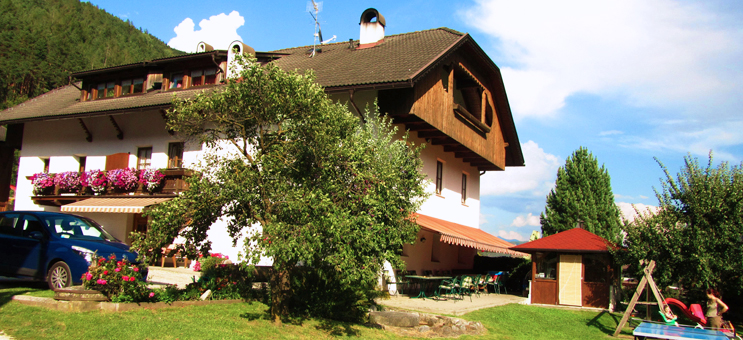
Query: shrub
x=226 y=281
x=119 y=281
x=208 y=262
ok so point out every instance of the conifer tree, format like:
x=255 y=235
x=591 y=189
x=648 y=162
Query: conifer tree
x=582 y=195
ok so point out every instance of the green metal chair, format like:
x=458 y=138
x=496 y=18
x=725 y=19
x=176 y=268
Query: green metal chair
x=467 y=286
x=449 y=287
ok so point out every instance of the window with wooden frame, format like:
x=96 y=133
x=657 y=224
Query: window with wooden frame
x=102 y=90
x=175 y=155
x=132 y=86
x=177 y=80
x=144 y=158
x=464 y=188
x=204 y=77
x=439 y=177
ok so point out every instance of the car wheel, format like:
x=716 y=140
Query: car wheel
x=59 y=276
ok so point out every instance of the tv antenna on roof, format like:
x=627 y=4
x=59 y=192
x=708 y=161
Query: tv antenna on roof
x=316 y=7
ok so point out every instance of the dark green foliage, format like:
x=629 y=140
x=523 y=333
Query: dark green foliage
x=226 y=281
x=583 y=194
x=44 y=41
x=328 y=192
x=695 y=237
x=326 y=293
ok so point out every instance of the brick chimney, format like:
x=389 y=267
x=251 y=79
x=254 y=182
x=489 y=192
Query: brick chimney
x=372 y=28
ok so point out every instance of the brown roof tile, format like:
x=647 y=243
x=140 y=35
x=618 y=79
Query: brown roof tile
x=398 y=58
x=64 y=102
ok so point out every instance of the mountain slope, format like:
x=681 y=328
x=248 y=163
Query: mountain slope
x=44 y=40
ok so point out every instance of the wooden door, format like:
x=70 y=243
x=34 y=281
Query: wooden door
x=569 y=280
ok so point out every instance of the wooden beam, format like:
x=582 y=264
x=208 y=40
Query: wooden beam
x=88 y=135
x=445 y=141
x=489 y=168
x=648 y=272
x=475 y=160
x=457 y=148
x=403 y=119
x=119 y=133
x=465 y=154
x=431 y=134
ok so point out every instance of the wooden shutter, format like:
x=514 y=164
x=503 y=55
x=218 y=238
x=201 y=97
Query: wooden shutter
x=117 y=161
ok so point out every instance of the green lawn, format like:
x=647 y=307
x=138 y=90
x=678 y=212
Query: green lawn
x=249 y=320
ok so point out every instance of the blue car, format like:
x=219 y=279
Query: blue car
x=55 y=247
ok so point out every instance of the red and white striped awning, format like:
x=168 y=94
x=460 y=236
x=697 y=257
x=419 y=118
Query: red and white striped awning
x=123 y=205
x=462 y=235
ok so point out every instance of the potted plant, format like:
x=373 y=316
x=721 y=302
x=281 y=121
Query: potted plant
x=123 y=180
x=96 y=180
x=43 y=183
x=151 y=179
x=68 y=181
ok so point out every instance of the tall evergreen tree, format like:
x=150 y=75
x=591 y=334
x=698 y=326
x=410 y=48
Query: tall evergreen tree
x=582 y=195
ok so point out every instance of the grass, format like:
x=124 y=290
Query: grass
x=250 y=320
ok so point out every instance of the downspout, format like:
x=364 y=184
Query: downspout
x=214 y=60
x=350 y=95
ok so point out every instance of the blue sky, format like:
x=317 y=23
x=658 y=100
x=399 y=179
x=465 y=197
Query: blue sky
x=628 y=79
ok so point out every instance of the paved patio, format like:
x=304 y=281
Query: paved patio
x=450 y=306
x=159 y=276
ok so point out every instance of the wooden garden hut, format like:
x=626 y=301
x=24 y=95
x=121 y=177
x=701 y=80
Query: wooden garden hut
x=573 y=267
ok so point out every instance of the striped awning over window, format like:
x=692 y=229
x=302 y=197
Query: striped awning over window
x=123 y=205
x=462 y=235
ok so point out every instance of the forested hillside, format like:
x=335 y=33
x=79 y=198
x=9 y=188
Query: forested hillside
x=42 y=41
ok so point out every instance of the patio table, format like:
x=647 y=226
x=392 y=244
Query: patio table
x=427 y=281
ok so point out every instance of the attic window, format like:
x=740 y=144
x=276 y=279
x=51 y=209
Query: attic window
x=472 y=101
x=204 y=77
x=176 y=81
x=132 y=86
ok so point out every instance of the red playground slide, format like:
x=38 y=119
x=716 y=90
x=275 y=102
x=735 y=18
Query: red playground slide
x=694 y=312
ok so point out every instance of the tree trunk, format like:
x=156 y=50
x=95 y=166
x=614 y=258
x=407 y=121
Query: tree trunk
x=280 y=293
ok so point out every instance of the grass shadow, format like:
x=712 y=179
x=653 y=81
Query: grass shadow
x=607 y=328
x=337 y=328
x=10 y=288
x=266 y=315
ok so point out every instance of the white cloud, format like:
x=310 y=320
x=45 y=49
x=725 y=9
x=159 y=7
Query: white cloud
x=483 y=219
x=218 y=31
x=629 y=213
x=512 y=235
x=536 y=178
x=528 y=220
x=651 y=53
x=610 y=133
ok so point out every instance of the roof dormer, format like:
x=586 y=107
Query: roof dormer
x=372 y=28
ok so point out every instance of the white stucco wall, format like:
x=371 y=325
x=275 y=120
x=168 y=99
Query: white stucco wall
x=63 y=142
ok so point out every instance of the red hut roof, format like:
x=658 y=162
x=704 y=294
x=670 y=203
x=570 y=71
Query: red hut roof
x=574 y=240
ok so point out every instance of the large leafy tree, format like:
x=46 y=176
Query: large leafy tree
x=330 y=195
x=582 y=194
x=695 y=236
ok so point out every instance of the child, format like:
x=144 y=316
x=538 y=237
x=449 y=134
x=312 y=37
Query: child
x=668 y=316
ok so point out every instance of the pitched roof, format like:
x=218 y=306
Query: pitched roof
x=399 y=58
x=462 y=235
x=573 y=240
x=64 y=102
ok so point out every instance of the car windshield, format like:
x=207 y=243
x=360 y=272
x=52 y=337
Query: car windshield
x=74 y=227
